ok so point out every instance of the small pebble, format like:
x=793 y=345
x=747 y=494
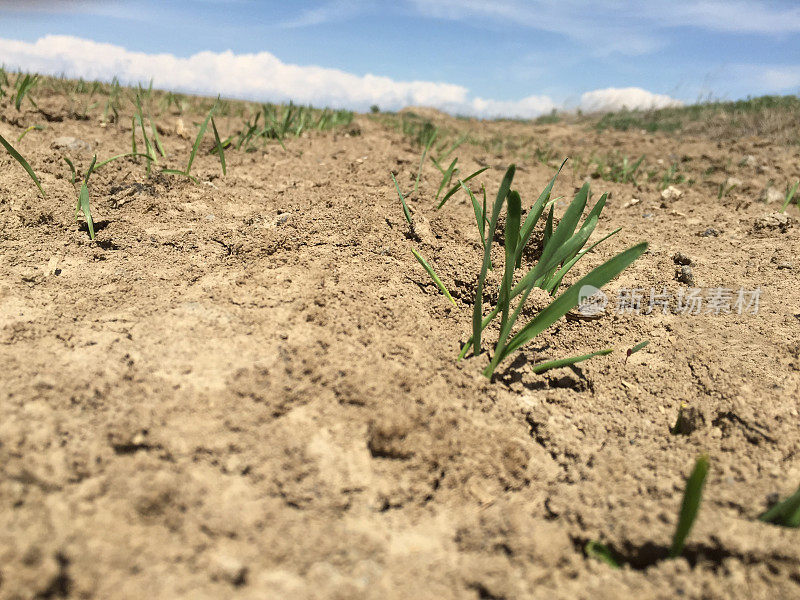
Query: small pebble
x=710 y=232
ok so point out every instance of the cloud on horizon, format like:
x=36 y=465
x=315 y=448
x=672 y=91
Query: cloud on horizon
x=263 y=77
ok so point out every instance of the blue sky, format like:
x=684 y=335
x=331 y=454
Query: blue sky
x=483 y=57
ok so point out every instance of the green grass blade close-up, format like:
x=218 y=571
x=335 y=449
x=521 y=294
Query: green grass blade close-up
x=23 y=163
x=429 y=269
x=690 y=506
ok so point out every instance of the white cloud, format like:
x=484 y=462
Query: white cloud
x=263 y=77
x=611 y=99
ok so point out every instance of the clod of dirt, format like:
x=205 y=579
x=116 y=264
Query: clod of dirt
x=671 y=193
x=689 y=419
x=684 y=275
x=386 y=437
x=681 y=259
x=749 y=161
x=770 y=195
x=71 y=143
x=779 y=222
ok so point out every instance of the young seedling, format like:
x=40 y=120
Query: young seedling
x=568 y=362
x=456 y=187
x=24 y=163
x=562 y=248
x=447 y=176
x=790 y=195
x=24 y=85
x=690 y=505
x=601 y=552
x=724 y=190
x=196 y=147
x=72 y=169
x=635 y=349
x=83 y=200
x=433 y=275
x=28 y=130
x=406 y=212
x=786 y=513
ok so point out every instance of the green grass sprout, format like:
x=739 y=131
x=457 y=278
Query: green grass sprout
x=428 y=145
x=724 y=190
x=198 y=139
x=24 y=85
x=219 y=146
x=83 y=200
x=601 y=552
x=433 y=275
x=456 y=187
x=71 y=168
x=568 y=362
x=24 y=163
x=28 y=130
x=406 y=212
x=690 y=505
x=786 y=513
x=790 y=195
x=562 y=247
x=447 y=176
x=636 y=348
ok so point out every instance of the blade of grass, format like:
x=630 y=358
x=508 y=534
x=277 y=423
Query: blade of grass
x=513 y=218
x=531 y=278
x=790 y=195
x=479 y=215
x=433 y=275
x=535 y=214
x=406 y=212
x=156 y=138
x=178 y=172
x=638 y=347
x=690 y=505
x=133 y=136
x=113 y=158
x=24 y=163
x=455 y=188
x=220 y=149
x=598 y=277
x=422 y=160
x=552 y=288
x=477 y=313
x=446 y=177
x=71 y=168
x=28 y=130
x=785 y=513
x=600 y=552
x=197 y=141
x=566 y=362
x=83 y=200
x=83 y=203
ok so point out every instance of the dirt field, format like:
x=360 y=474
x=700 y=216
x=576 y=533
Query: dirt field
x=247 y=388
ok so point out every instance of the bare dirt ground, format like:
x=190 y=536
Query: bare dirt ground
x=247 y=388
